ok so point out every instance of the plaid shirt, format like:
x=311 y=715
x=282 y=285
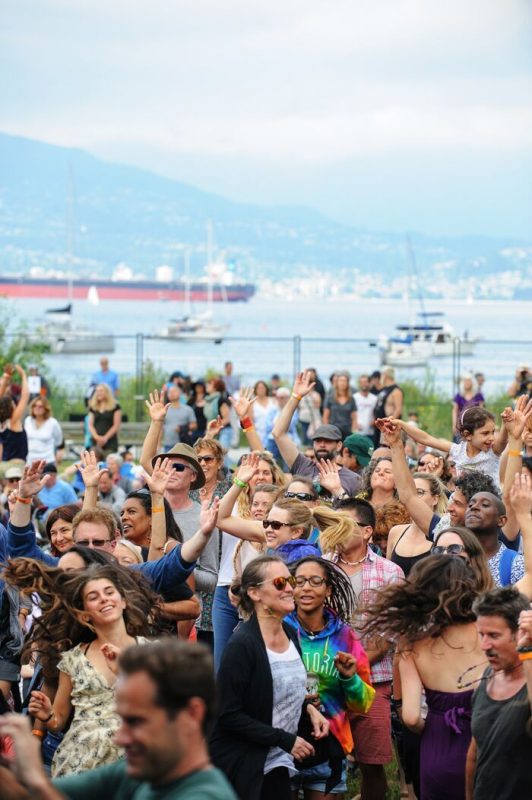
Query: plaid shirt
x=376 y=573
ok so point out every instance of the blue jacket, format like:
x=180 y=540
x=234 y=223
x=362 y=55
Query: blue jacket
x=166 y=574
x=294 y=550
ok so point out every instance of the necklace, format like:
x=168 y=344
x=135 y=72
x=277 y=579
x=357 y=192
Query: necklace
x=311 y=634
x=352 y=563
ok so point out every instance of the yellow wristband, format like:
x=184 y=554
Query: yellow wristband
x=525 y=656
x=157 y=509
x=298 y=397
x=515 y=453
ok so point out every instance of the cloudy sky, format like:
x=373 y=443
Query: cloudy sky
x=387 y=114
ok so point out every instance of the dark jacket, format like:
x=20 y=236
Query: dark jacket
x=243 y=731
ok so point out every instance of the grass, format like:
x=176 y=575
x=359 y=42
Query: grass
x=392 y=776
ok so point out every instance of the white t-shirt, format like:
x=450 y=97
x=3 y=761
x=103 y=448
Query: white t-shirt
x=488 y=463
x=289 y=678
x=365 y=407
x=44 y=440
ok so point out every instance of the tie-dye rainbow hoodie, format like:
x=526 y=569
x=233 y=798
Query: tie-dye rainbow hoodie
x=337 y=695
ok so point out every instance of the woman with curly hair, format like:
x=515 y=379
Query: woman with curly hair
x=378 y=484
x=431 y=619
x=88 y=618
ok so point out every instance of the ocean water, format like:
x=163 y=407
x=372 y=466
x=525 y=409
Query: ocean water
x=334 y=333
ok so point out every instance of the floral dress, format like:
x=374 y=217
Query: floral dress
x=89 y=742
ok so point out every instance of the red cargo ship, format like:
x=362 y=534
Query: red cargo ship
x=78 y=289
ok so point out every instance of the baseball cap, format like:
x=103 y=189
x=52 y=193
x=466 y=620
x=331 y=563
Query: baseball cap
x=327 y=432
x=360 y=446
x=48 y=468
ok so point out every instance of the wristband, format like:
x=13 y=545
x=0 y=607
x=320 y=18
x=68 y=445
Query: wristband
x=525 y=656
x=48 y=718
x=239 y=483
x=246 y=422
x=157 y=509
x=25 y=500
x=298 y=397
x=37 y=732
x=515 y=453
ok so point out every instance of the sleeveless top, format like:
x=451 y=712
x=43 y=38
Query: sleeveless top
x=14 y=443
x=406 y=562
x=379 y=410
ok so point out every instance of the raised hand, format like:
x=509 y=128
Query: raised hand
x=346 y=664
x=156 y=406
x=521 y=495
x=243 y=404
x=515 y=419
x=303 y=384
x=329 y=477
x=390 y=431
x=160 y=476
x=32 y=480
x=90 y=471
x=111 y=653
x=434 y=466
x=524 y=633
x=248 y=467
x=209 y=516
x=40 y=706
x=214 y=427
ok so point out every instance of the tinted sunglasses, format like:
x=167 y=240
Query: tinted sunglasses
x=280 y=582
x=451 y=549
x=92 y=542
x=274 y=524
x=180 y=467
x=206 y=459
x=299 y=495
x=314 y=580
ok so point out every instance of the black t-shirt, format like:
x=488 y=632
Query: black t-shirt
x=502 y=731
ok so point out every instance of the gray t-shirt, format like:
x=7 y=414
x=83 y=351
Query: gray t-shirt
x=206 y=572
x=350 y=481
x=289 y=679
x=176 y=416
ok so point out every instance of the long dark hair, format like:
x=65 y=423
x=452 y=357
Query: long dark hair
x=440 y=592
x=59 y=628
x=172 y=528
x=342 y=600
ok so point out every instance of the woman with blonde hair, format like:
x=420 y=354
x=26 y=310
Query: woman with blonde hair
x=340 y=408
x=105 y=418
x=43 y=432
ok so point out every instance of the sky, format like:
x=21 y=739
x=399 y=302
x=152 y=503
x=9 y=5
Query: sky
x=384 y=114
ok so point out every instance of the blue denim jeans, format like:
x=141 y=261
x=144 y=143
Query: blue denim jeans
x=224 y=621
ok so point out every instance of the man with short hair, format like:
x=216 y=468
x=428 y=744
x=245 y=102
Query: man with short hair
x=366 y=402
x=55 y=492
x=486 y=517
x=180 y=421
x=498 y=765
x=110 y=495
x=165 y=697
x=326 y=439
x=106 y=375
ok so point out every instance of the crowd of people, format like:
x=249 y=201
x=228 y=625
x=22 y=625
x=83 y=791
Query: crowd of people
x=287 y=589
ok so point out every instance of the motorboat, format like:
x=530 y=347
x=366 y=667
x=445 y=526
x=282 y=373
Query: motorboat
x=194 y=328
x=428 y=338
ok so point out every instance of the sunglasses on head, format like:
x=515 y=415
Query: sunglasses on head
x=299 y=496
x=451 y=549
x=274 y=524
x=280 y=582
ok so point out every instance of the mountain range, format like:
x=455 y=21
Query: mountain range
x=62 y=208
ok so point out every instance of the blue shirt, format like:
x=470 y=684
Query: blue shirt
x=60 y=494
x=166 y=574
x=110 y=378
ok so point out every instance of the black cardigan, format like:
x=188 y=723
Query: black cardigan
x=243 y=732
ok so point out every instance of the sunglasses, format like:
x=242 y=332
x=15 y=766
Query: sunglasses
x=180 y=467
x=272 y=523
x=206 y=459
x=280 y=582
x=314 y=580
x=92 y=542
x=451 y=549
x=299 y=496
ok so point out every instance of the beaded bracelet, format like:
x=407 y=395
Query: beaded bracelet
x=239 y=483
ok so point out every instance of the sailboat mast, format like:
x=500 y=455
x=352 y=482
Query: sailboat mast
x=209 y=262
x=413 y=264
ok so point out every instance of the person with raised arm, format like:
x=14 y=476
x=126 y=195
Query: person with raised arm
x=165 y=574
x=327 y=440
x=13 y=437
